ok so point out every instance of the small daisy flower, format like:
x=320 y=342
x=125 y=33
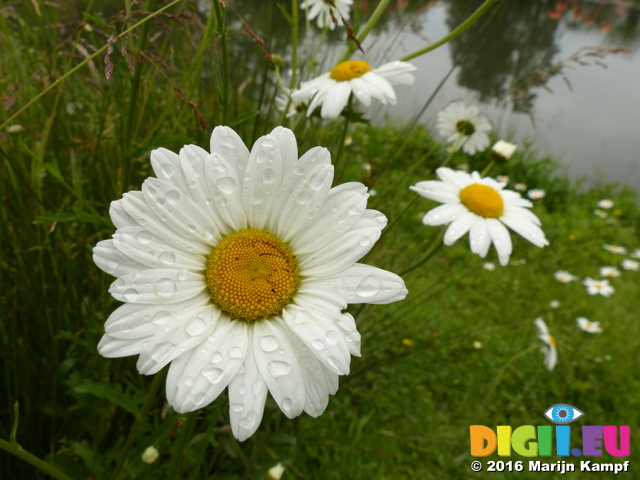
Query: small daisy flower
x=605 y=203
x=476 y=345
x=282 y=100
x=609 y=272
x=631 y=265
x=600 y=213
x=549 y=350
x=598 y=287
x=520 y=186
x=332 y=89
x=275 y=473
x=615 y=249
x=587 y=326
x=536 y=193
x=323 y=10
x=481 y=207
x=636 y=253
x=554 y=303
x=464 y=167
x=503 y=178
x=489 y=266
x=464 y=127
x=150 y=455
x=503 y=151
x=565 y=277
x=235 y=267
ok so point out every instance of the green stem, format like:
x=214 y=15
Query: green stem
x=295 y=7
x=185 y=433
x=222 y=28
x=375 y=17
x=435 y=246
x=343 y=137
x=461 y=28
x=83 y=63
x=398 y=216
x=133 y=433
x=33 y=460
x=489 y=167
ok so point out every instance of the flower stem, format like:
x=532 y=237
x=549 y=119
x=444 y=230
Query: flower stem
x=133 y=433
x=33 y=460
x=83 y=63
x=375 y=17
x=398 y=216
x=435 y=246
x=489 y=167
x=295 y=6
x=453 y=34
x=222 y=28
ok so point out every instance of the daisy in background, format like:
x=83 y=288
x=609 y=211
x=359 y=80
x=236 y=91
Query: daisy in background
x=332 y=90
x=631 y=265
x=463 y=167
x=323 y=11
x=565 y=277
x=503 y=178
x=554 y=304
x=235 y=268
x=598 y=287
x=636 y=253
x=615 y=249
x=606 y=203
x=520 y=186
x=587 y=326
x=600 y=213
x=464 y=127
x=481 y=207
x=283 y=99
x=549 y=350
x=503 y=151
x=536 y=193
x=609 y=272
x=489 y=266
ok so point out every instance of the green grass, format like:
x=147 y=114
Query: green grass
x=405 y=409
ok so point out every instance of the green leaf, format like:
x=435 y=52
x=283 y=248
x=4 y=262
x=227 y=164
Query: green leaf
x=285 y=14
x=114 y=394
x=244 y=117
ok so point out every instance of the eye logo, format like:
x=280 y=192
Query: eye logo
x=562 y=413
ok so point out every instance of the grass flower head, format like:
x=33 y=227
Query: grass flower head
x=481 y=207
x=234 y=269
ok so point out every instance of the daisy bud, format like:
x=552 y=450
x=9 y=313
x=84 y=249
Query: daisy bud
x=275 y=473
x=502 y=151
x=150 y=455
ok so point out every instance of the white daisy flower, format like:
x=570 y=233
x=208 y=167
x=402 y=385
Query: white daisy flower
x=503 y=178
x=549 y=350
x=481 y=207
x=332 y=89
x=489 y=266
x=554 y=304
x=520 y=186
x=282 y=100
x=605 y=203
x=595 y=287
x=600 y=213
x=463 y=167
x=636 y=253
x=631 y=265
x=565 y=277
x=464 y=127
x=536 y=193
x=615 y=249
x=587 y=326
x=235 y=267
x=323 y=11
x=609 y=272
x=503 y=151
x=275 y=472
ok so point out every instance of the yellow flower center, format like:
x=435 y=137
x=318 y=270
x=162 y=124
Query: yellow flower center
x=482 y=200
x=251 y=274
x=552 y=341
x=349 y=69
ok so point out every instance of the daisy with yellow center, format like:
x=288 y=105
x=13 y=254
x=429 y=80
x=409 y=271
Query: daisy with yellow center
x=482 y=207
x=332 y=90
x=587 y=326
x=235 y=268
x=464 y=127
x=549 y=350
x=327 y=15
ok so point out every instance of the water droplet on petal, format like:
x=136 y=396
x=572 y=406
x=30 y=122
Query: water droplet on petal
x=183 y=274
x=216 y=357
x=195 y=327
x=316 y=181
x=167 y=257
x=144 y=236
x=249 y=421
x=213 y=374
x=160 y=317
x=332 y=337
x=298 y=170
x=278 y=369
x=368 y=286
x=242 y=390
x=287 y=404
x=269 y=343
x=236 y=353
x=318 y=344
x=237 y=407
x=165 y=287
x=168 y=169
x=188 y=381
x=111 y=266
x=258 y=385
x=126 y=329
x=365 y=241
x=226 y=185
x=304 y=198
x=173 y=197
x=131 y=295
x=260 y=156
x=269 y=176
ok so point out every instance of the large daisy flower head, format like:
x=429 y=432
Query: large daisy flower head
x=482 y=207
x=464 y=127
x=332 y=89
x=326 y=13
x=235 y=268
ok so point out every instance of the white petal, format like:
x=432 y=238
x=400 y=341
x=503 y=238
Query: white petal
x=228 y=144
x=525 y=228
x=247 y=396
x=360 y=90
x=158 y=286
x=519 y=211
x=166 y=165
x=321 y=336
x=363 y=284
x=225 y=188
x=444 y=214
x=380 y=88
x=436 y=190
x=335 y=100
x=479 y=239
x=458 y=228
x=119 y=216
x=110 y=347
x=110 y=260
x=454 y=177
x=501 y=239
x=278 y=365
x=347 y=324
x=288 y=148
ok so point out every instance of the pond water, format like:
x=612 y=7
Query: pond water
x=592 y=127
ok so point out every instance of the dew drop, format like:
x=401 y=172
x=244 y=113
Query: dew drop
x=191 y=228
x=318 y=344
x=213 y=374
x=236 y=353
x=167 y=257
x=160 y=317
x=258 y=385
x=370 y=285
x=298 y=170
x=126 y=329
x=316 y=181
x=131 y=295
x=332 y=337
x=365 y=241
x=209 y=234
x=195 y=327
x=269 y=343
x=333 y=362
x=173 y=197
x=111 y=266
x=237 y=407
x=165 y=287
x=144 y=236
x=226 y=185
x=242 y=390
x=183 y=274
x=249 y=421
x=168 y=169
x=257 y=198
x=287 y=404
x=189 y=381
x=193 y=184
x=269 y=176
x=216 y=357
x=304 y=198
x=260 y=156
x=278 y=369
x=207 y=201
